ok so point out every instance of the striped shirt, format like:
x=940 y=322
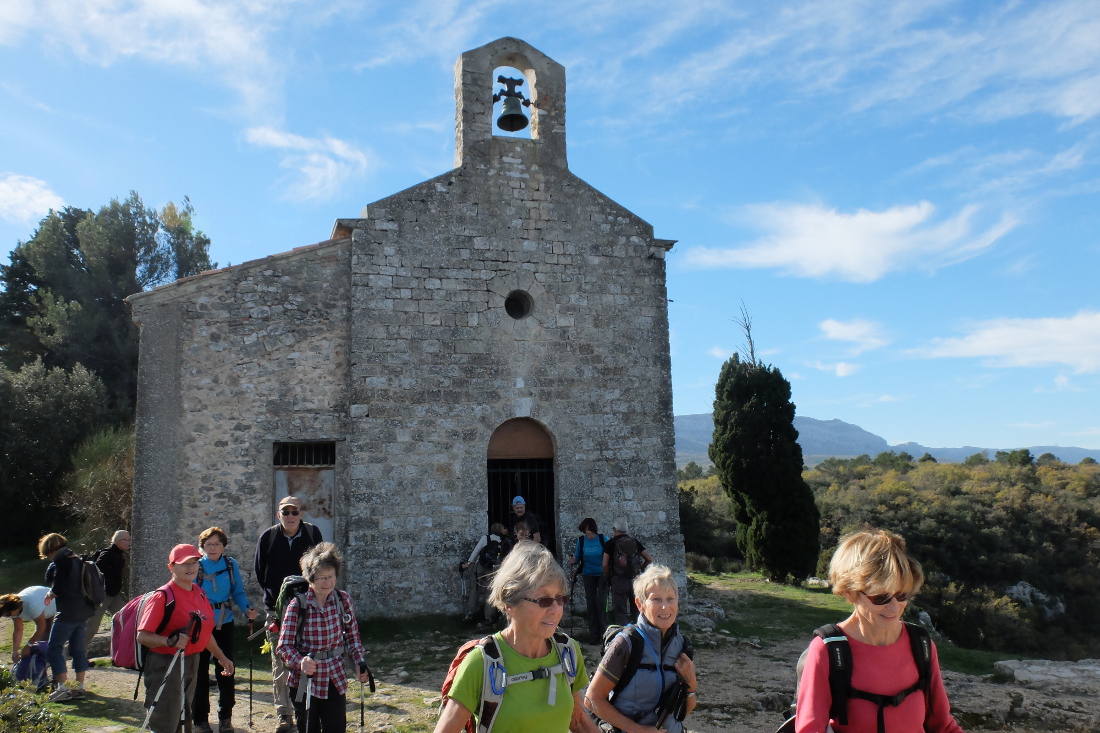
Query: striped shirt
x=322 y=631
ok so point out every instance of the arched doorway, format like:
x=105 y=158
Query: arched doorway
x=520 y=462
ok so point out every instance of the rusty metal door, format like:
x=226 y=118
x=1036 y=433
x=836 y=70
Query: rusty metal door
x=314 y=486
x=308 y=471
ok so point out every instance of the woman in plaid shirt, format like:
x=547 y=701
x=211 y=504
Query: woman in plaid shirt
x=314 y=644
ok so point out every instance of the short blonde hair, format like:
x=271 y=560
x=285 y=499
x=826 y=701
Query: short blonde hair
x=654 y=576
x=874 y=561
x=321 y=555
x=50 y=543
x=528 y=567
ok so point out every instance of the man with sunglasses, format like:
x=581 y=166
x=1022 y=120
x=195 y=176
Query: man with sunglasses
x=278 y=554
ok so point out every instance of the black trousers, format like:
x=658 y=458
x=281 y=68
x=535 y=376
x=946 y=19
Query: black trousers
x=200 y=708
x=328 y=715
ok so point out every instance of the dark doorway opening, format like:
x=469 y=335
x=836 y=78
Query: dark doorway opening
x=531 y=478
x=521 y=463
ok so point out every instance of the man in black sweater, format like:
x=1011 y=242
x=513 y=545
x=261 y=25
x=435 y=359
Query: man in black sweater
x=111 y=563
x=278 y=554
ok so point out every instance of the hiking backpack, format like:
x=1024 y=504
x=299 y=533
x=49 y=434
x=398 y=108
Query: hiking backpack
x=34 y=667
x=492 y=553
x=634 y=661
x=840 y=675
x=628 y=560
x=495 y=679
x=126 y=650
x=91 y=579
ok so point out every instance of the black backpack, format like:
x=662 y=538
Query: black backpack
x=634 y=661
x=840 y=675
x=492 y=553
x=627 y=560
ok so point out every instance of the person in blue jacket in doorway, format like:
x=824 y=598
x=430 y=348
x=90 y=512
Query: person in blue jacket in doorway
x=589 y=554
x=221 y=581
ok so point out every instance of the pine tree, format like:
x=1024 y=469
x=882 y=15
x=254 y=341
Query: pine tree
x=759 y=462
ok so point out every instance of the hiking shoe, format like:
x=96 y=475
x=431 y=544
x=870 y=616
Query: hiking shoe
x=225 y=725
x=287 y=725
x=61 y=694
x=78 y=693
x=203 y=728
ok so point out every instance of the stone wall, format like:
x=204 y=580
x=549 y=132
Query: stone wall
x=231 y=362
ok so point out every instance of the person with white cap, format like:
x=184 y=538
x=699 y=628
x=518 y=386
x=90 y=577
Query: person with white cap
x=278 y=554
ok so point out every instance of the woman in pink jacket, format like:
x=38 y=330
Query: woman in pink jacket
x=872 y=570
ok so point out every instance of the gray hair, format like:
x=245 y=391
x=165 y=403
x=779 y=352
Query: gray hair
x=528 y=567
x=118 y=535
x=654 y=576
x=322 y=555
x=621 y=525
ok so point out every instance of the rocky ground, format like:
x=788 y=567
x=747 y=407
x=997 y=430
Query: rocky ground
x=745 y=687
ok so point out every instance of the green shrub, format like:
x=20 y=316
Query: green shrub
x=22 y=710
x=697 y=563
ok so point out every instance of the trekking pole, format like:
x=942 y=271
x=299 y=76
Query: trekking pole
x=168 y=673
x=250 y=676
x=309 y=694
x=462 y=578
x=362 y=706
x=183 y=696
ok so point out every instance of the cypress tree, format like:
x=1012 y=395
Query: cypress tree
x=759 y=462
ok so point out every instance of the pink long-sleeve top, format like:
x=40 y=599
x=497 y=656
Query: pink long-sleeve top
x=882 y=670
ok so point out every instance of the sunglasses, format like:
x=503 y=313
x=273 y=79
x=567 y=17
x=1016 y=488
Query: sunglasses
x=289 y=512
x=883 y=598
x=547 y=601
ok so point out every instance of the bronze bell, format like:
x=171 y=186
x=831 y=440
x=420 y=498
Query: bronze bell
x=511 y=116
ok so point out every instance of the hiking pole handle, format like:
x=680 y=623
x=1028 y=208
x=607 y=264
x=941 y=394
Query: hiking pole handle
x=370 y=677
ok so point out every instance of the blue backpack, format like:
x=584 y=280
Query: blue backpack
x=34 y=668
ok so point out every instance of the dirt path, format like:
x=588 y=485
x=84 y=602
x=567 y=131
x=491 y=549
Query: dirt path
x=744 y=687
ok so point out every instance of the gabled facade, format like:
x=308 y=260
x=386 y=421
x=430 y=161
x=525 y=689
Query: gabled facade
x=500 y=329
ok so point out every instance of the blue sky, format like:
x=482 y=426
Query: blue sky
x=905 y=196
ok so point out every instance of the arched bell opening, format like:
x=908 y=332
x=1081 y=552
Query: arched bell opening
x=520 y=462
x=512 y=103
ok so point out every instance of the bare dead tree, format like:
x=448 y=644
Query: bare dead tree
x=745 y=322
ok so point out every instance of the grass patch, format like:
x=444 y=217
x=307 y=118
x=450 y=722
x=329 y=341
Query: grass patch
x=969 y=661
x=773 y=612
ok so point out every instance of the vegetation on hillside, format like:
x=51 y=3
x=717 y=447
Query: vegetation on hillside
x=1010 y=545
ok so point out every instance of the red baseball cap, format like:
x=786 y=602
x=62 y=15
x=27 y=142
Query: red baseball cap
x=183 y=553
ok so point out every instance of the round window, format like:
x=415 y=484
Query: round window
x=518 y=304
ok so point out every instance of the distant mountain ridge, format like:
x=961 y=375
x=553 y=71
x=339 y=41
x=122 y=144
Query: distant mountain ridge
x=821 y=439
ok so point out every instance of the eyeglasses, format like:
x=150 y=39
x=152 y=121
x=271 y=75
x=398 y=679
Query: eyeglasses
x=547 y=601
x=289 y=512
x=883 y=598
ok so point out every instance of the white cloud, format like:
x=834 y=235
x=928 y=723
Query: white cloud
x=889 y=398
x=719 y=352
x=1022 y=342
x=228 y=37
x=1061 y=383
x=840 y=369
x=323 y=164
x=24 y=199
x=814 y=241
x=865 y=335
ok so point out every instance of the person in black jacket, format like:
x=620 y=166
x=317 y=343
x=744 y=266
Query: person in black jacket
x=73 y=609
x=111 y=562
x=278 y=554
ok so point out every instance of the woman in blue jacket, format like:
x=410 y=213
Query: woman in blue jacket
x=221 y=581
x=589 y=553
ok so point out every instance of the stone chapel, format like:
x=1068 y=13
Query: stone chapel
x=499 y=330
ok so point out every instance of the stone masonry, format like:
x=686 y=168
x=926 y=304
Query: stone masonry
x=392 y=339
